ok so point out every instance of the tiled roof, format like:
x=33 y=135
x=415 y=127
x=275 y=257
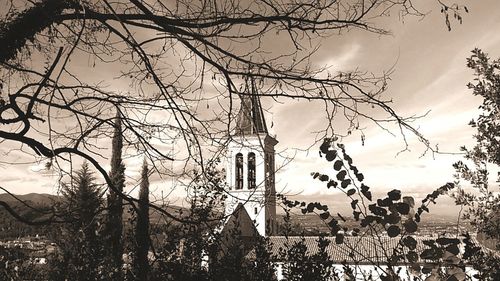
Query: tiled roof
x=367 y=249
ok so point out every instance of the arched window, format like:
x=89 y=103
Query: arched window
x=251 y=170
x=239 y=171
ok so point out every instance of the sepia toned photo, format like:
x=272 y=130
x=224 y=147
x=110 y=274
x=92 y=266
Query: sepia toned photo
x=252 y=140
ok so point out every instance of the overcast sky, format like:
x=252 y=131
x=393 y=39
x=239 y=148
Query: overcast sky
x=429 y=75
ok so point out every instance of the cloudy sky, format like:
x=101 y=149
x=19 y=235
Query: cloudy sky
x=429 y=76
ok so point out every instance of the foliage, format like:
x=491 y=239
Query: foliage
x=166 y=62
x=393 y=216
x=141 y=261
x=183 y=251
x=80 y=244
x=301 y=265
x=199 y=252
x=482 y=205
x=16 y=264
x=28 y=24
x=11 y=228
x=262 y=267
x=222 y=41
x=114 y=224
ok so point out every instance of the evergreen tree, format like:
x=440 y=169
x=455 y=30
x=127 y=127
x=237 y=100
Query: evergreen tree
x=80 y=245
x=142 y=227
x=115 y=201
x=262 y=268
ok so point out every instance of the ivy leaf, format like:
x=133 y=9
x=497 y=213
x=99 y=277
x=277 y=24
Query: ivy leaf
x=324 y=178
x=410 y=226
x=325 y=146
x=348 y=159
x=367 y=194
x=341 y=175
x=410 y=242
x=339 y=238
x=417 y=217
x=350 y=191
x=331 y=183
x=322 y=207
x=394 y=194
x=377 y=210
x=337 y=165
x=392 y=218
x=310 y=207
x=345 y=183
x=331 y=155
x=386 y=202
x=403 y=208
x=334 y=229
x=412 y=256
x=360 y=176
x=354 y=203
x=425 y=208
x=324 y=215
x=354 y=169
x=368 y=220
x=365 y=190
x=356 y=215
x=393 y=231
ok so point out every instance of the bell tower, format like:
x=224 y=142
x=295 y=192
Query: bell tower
x=250 y=165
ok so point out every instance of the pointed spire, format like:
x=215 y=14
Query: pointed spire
x=250 y=119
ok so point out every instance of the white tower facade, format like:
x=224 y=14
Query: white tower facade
x=250 y=167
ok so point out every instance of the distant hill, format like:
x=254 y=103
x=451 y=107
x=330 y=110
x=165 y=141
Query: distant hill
x=10 y=227
x=37 y=198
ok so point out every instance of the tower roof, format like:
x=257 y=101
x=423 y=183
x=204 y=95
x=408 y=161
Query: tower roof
x=250 y=119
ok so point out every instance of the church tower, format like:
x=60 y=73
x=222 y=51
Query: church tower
x=250 y=165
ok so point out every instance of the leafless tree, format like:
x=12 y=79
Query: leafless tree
x=177 y=70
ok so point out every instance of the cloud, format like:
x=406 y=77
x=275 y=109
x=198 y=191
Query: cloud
x=342 y=61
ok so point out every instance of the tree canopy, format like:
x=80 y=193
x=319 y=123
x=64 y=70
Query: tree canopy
x=175 y=72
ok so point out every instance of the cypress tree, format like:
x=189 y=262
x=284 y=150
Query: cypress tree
x=115 y=201
x=142 y=227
